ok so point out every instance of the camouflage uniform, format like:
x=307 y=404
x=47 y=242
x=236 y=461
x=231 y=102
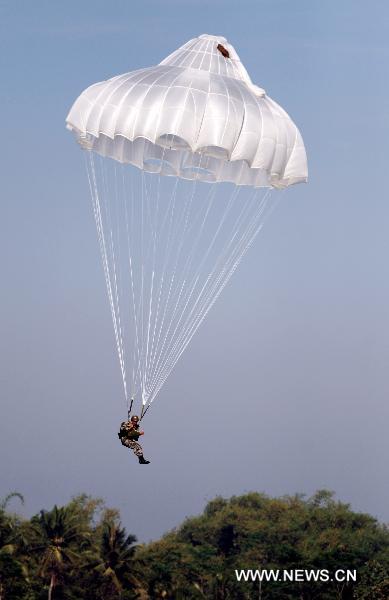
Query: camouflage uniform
x=129 y=437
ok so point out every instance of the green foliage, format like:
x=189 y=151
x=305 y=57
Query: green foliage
x=4 y=502
x=81 y=551
x=115 y=561
x=199 y=559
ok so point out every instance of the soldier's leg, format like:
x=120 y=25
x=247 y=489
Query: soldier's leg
x=136 y=448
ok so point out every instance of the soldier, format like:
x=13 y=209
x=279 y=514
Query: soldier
x=129 y=435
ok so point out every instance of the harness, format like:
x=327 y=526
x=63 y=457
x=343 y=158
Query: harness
x=126 y=434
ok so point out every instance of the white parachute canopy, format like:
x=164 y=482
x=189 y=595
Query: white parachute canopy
x=170 y=244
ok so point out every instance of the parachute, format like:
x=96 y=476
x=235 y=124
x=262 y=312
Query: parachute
x=181 y=159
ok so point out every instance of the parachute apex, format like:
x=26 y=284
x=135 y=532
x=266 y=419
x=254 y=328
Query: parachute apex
x=202 y=53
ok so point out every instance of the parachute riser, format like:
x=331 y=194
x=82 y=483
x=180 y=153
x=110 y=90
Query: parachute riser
x=129 y=407
x=143 y=411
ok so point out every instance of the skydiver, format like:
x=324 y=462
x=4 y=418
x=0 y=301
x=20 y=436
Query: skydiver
x=129 y=435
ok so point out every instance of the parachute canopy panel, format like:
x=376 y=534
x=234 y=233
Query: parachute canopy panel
x=196 y=115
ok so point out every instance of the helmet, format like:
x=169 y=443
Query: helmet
x=134 y=418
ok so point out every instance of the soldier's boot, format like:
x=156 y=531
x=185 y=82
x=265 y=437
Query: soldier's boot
x=143 y=461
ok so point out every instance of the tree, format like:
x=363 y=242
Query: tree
x=198 y=560
x=12 y=580
x=82 y=551
x=59 y=538
x=116 y=560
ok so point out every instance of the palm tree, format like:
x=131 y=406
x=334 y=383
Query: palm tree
x=7 y=539
x=116 y=558
x=4 y=501
x=59 y=536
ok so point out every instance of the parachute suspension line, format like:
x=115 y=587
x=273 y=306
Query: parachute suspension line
x=197 y=273
x=133 y=311
x=153 y=243
x=145 y=315
x=139 y=309
x=115 y=261
x=135 y=357
x=117 y=269
x=170 y=211
x=150 y=255
x=176 y=341
x=181 y=227
x=93 y=186
x=143 y=257
x=245 y=242
x=194 y=281
x=140 y=313
x=179 y=289
x=168 y=249
x=142 y=231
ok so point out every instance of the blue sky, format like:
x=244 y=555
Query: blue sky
x=285 y=387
